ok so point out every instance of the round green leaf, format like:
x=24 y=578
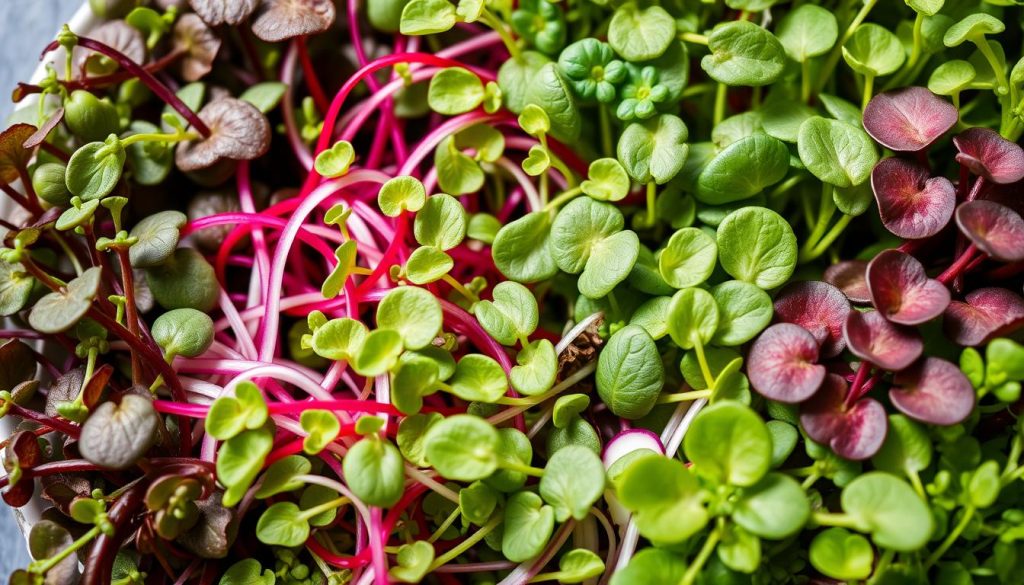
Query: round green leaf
x=426 y=17
x=808 y=31
x=745 y=310
x=414 y=313
x=441 y=222
x=640 y=34
x=973 y=27
x=836 y=152
x=321 y=427
x=457 y=173
x=462 y=447
x=378 y=353
x=184 y=332
x=665 y=498
x=230 y=415
x=889 y=510
x=95 y=169
x=730 y=444
x=157 y=237
x=15 y=288
x=651 y=565
x=951 y=77
x=283 y=524
x=427 y=264
x=606 y=180
x=757 y=245
x=412 y=434
x=536 y=369
x=775 y=507
x=413 y=562
x=693 y=317
x=743 y=53
x=478 y=378
x=907 y=449
x=339 y=339
x=511 y=316
x=630 y=374
x=548 y=89
x=689 y=258
x=454 y=91
x=400 y=194
x=573 y=480
x=578 y=565
x=654 y=149
x=743 y=169
x=522 y=249
x=873 y=50
x=59 y=311
x=239 y=461
x=375 y=472
x=280 y=476
x=185 y=279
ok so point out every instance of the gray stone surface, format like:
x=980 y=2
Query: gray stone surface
x=25 y=27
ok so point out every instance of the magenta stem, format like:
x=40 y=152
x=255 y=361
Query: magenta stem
x=958 y=267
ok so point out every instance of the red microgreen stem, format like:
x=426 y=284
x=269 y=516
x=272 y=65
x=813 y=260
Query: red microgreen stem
x=958 y=267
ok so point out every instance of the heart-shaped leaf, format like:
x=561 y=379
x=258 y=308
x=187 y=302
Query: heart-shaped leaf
x=321 y=428
x=989 y=155
x=116 y=435
x=15 y=288
x=743 y=53
x=457 y=172
x=889 y=346
x=912 y=204
x=606 y=180
x=841 y=554
x=984 y=313
x=339 y=339
x=59 y=311
x=413 y=312
x=729 y=444
x=345 y=255
x=783 y=363
x=854 y=431
x=522 y=249
x=478 y=378
x=537 y=368
x=440 y=221
x=334 y=161
x=995 y=229
x=655 y=149
x=640 y=33
x=528 y=526
x=230 y=415
x=587 y=238
x=379 y=352
x=511 y=316
x=818 y=307
x=933 y=391
x=693 y=317
x=850 y=277
x=537 y=161
x=573 y=480
x=872 y=50
x=908 y=119
x=462 y=447
x=775 y=507
x=413 y=562
x=902 y=291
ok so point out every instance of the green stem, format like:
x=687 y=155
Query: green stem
x=466 y=544
x=159 y=137
x=826 y=208
x=563 y=198
x=826 y=241
x=887 y=556
x=521 y=468
x=652 y=193
x=869 y=86
x=809 y=481
x=720 y=94
x=915 y=480
x=683 y=396
x=993 y=62
x=325 y=507
x=698 y=347
x=805 y=80
x=915 y=51
x=694 y=38
x=462 y=290
x=702 y=557
x=488 y=18
x=830 y=519
x=951 y=537
x=606 y=129
x=445 y=525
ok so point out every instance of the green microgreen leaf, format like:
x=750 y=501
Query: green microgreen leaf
x=573 y=480
x=462 y=447
x=412 y=312
x=231 y=415
x=454 y=91
x=441 y=222
x=511 y=316
x=334 y=161
x=587 y=238
x=321 y=427
x=758 y=246
x=528 y=526
x=630 y=374
x=374 y=471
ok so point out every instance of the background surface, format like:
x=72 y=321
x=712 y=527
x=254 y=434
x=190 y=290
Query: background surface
x=25 y=28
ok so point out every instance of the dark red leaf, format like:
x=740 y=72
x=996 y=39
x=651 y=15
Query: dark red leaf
x=995 y=229
x=989 y=155
x=19 y=494
x=855 y=432
x=889 y=346
x=818 y=307
x=911 y=204
x=40 y=135
x=902 y=291
x=984 y=314
x=782 y=363
x=933 y=391
x=850 y=276
x=97 y=385
x=908 y=119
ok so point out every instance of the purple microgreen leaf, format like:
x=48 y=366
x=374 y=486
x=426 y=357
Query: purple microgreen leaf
x=782 y=363
x=989 y=155
x=908 y=119
x=850 y=277
x=995 y=229
x=217 y=12
x=278 y=20
x=818 y=307
x=933 y=391
x=902 y=291
x=238 y=131
x=982 y=315
x=120 y=36
x=871 y=337
x=198 y=44
x=911 y=204
x=854 y=431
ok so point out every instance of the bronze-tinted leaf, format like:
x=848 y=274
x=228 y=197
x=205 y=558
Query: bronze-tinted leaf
x=97 y=386
x=854 y=431
x=64 y=389
x=987 y=154
x=118 y=35
x=116 y=435
x=45 y=540
x=908 y=119
x=40 y=135
x=911 y=203
x=818 y=307
x=238 y=131
x=59 y=311
x=17 y=364
x=902 y=291
x=871 y=337
x=218 y=12
x=984 y=314
x=213 y=535
x=199 y=44
x=14 y=156
x=934 y=391
x=995 y=229
x=278 y=20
